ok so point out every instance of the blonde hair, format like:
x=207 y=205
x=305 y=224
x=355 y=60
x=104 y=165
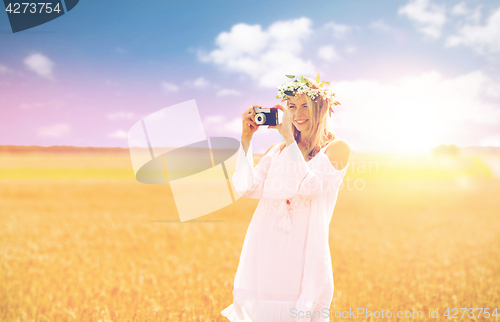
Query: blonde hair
x=319 y=134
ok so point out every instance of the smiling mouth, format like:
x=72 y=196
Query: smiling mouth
x=300 y=123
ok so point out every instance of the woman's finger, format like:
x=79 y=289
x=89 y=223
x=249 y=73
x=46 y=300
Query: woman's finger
x=281 y=107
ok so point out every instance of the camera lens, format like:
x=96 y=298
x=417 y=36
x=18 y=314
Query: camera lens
x=260 y=118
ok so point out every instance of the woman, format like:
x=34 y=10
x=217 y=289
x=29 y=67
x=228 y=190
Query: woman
x=285 y=269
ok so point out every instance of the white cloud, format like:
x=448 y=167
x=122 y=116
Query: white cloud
x=57 y=130
x=119 y=134
x=202 y=83
x=484 y=39
x=428 y=17
x=380 y=25
x=41 y=65
x=169 y=87
x=121 y=116
x=474 y=16
x=415 y=112
x=338 y=30
x=215 y=119
x=328 y=53
x=228 y=92
x=460 y=9
x=3 y=69
x=264 y=56
x=218 y=124
x=233 y=126
x=199 y=83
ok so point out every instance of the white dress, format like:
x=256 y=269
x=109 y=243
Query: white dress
x=285 y=267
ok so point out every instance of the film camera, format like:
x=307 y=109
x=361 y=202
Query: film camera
x=266 y=116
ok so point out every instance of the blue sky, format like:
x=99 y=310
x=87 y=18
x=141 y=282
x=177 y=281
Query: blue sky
x=409 y=74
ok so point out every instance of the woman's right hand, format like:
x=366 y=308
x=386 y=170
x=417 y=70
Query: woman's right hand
x=249 y=125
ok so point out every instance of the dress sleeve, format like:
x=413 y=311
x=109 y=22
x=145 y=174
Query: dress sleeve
x=295 y=177
x=248 y=180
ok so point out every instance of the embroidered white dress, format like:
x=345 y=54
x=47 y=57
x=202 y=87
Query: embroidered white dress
x=285 y=268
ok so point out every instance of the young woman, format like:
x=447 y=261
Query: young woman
x=285 y=270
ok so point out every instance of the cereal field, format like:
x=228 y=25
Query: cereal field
x=82 y=240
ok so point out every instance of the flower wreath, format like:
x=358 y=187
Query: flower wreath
x=313 y=90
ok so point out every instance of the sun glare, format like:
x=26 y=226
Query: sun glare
x=413 y=127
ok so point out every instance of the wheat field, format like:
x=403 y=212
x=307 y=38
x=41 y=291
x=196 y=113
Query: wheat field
x=82 y=240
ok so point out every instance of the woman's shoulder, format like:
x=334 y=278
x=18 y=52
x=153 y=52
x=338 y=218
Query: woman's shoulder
x=338 y=142
x=339 y=152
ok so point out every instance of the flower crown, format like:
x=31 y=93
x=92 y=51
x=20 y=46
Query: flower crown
x=313 y=90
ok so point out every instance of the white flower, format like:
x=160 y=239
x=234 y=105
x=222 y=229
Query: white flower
x=299 y=88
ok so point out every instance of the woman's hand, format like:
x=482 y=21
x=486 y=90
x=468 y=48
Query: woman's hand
x=249 y=124
x=285 y=127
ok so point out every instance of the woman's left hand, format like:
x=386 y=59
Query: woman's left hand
x=285 y=127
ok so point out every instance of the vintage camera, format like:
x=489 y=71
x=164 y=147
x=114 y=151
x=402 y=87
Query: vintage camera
x=266 y=116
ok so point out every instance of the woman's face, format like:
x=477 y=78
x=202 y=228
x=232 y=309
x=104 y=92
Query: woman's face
x=299 y=112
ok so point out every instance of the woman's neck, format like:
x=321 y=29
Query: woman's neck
x=302 y=147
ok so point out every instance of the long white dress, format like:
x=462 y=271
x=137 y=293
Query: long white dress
x=285 y=269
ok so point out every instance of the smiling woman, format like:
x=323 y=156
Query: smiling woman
x=300 y=112
x=285 y=271
x=308 y=114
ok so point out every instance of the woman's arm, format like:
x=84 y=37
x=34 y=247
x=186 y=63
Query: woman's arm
x=248 y=180
x=295 y=177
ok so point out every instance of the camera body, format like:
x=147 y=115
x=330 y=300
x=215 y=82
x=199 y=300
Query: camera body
x=266 y=116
